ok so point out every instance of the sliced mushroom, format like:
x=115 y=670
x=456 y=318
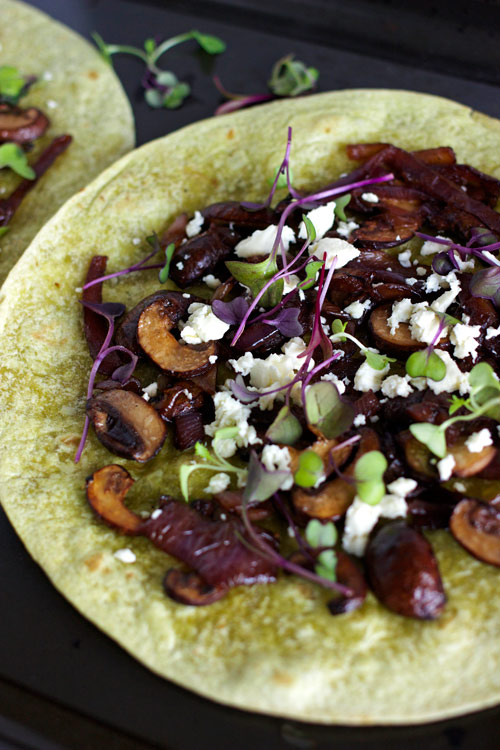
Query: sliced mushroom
x=153 y=334
x=21 y=125
x=349 y=574
x=400 y=342
x=106 y=491
x=188 y=430
x=476 y=526
x=328 y=452
x=126 y=424
x=179 y=399
x=466 y=463
x=190 y=588
x=126 y=333
x=200 y=255
x=417 y=455
x=404 y=573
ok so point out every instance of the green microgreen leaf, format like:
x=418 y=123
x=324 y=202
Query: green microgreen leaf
x=282 y=181
x=223 y=433
x=368 y=473
x=321 y=534
x=426 y=363
x=255 y=276
x=340 y=205
x=154 y=97
x=326 y=565
x=291 y=77
x=4 y=230
x=285 y=429
x=261 y=483
x=457 y=403
x=11 y=83
x=326 y=411
x=213 y=463
x=149 y=46
x=202 y=451
x=311 y=270
x=431 y=435
x=377 y=361
x=310 y=469
x=209 y=43
x=12 y=155
x=339 y=327
x=166 y=78
x=102 y=47
x=174 y=98
x=163 y=274
x=310 y=228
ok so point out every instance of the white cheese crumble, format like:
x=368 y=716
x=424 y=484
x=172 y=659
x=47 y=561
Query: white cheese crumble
x=156 y=513
x=370 y=197
x=465 y=340
x=431 y=248
x=411 y=281
x=454 y=380
x=218 y=483
x=213 y=359
x=322 y=219
x=492 y=333
x=136 y=240
x=424 y=324
x=359 y=420
x=194 y=226
x=229 y=412
x=336 y=250
x=421 y=271
x=51 y=104
x=445 y=467
x=125 y=555
x=261 y=241
x=211 y=281
x=345 y=228
x=332 y=378
x=361 y=518
x=369 y=379
x=479 y=440
x=405 y=258
x=179 y=265
x=275 y=458
x=357 y=309
x=202 y=325
x=150 y=391
x=401 y=313
x=396 y=385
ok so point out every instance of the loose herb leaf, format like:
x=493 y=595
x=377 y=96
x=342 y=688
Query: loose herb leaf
x=232 y=312
x=486 y=284
x=12 y=155
x=285 y=429
x=291 y=77
x=368 y=473
x=4 y=230
x=311 y=270
x=430 y=435
x=287 y=322
x=340 y=204
x=176 y=95
x=262 y=483
x=457 y=403
x=11 y=83
x=427 y=364
x=255 y=276
x=310 y=228
x=310 y=469
x=326 y=565
x=202 y=451
x=163 y=274
x=209 y=43
x=339 y=327
x=321 y=534
x=326 y=411
x=375 y=360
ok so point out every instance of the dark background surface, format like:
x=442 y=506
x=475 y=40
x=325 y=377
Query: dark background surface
x=62 y=683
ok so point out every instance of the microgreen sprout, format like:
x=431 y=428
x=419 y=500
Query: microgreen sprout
x=323 y=536
x=285 y=429
x=340 y=205
x=326 y=411
x=140 y=266
x=12 y=84
x=484 y=400
x=12 y=155
x=262 y=483
x=374 y=359
x=369 y=477
x=310 y=469
x=482 y=251
x=163 y=274
x=212 y=461
x=161 y=87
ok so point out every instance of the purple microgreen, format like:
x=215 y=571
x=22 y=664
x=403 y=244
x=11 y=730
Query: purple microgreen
x=244 y=101
x=310 y=469
x=287 y=322
x=286 y=428
x=340 y=205
x=232 y=312
x=486 y=284
x=291 y=77
x=325 y=410
x=481 y=236
x=241 y=392
x=484 y=253
x=426 y=364
x=140 y=266
x=369 y=477
x=376 y=360
x=108 y=310
x=163 y=274
x=261 y=483
x=303 y=545
x=258 y=277
x=123 y=373
x=444 y=262
x=283 y=170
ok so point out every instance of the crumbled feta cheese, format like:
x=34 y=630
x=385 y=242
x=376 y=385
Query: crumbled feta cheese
x=491 y=257
x=370 y=197
x=156 y=513
x=125 y=555
x=479 y=440
x=430 y=248
x=211 y=281
x=402 y=486
x=464 y=265
x=136 y=240
x=194 y=226
x=433 y=283
x=442 y=303
x=405 y=258
x=359 y=420
x=229 y=412
x=445 y=467
x=336 y=250
x=357 y=309
x=150 y=391
x=51 y=104
x=424 y=324
x=401 y=313
x=332 y=378
x=411 y=281
x=291 y=283
x=460 y=487
x=261 y=241
x=369 y=379
x=395 y=385
x=275 y=458
x=47 y=76
x=361 y=518
x=213 y=359
x=179 y=265
x=345 y=228
x=202 y=325
x=465 y=340
x=492 y=333
x=421 y=271
x=218 y=483
x=244 y=364
x=186 y=295
x=454 y=380
x=322 y=219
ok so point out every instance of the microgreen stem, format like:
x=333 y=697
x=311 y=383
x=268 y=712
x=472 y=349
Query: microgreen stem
x=465 y=249
x=478 y=410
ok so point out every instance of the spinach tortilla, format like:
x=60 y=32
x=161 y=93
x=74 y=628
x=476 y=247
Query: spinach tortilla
x=81 y=96
x=269 y=648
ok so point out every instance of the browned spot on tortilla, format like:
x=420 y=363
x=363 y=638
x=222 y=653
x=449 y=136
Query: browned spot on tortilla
x=282 y=678
x=70 y=439
x=94 y=561
x=327 y=129
x=230 y=134
x=93 y=74
x=306 y=591
x=129 y=575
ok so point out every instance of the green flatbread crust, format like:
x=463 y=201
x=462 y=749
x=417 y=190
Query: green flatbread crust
x=271 y=648
x=81 y=95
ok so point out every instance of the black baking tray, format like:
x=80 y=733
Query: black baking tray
x=63 y=684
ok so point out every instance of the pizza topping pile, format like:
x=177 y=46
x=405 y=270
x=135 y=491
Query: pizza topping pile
x=333 y=363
